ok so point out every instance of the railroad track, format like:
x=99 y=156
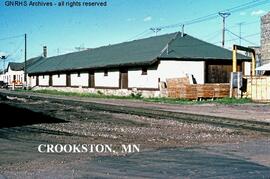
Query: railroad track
x=153 y=113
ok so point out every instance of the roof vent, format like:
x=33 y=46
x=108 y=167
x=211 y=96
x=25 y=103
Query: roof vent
x=45 y=51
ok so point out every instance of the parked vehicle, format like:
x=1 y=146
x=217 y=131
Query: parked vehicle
x=3 y=84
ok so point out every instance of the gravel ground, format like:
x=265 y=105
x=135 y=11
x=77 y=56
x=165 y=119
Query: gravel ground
x=46 y=122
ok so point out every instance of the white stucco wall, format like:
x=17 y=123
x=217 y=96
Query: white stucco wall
x=166 y=69
x=79 y=81
x=32 y=81
x=176 y=69
x=137 y=80
x=59 y=81
x=8 y=76
x=112 y=80
x=43 y=81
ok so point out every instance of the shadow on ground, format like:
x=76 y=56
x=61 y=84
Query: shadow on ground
x=14 y=117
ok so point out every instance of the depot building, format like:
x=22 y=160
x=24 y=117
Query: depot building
x=136 y=66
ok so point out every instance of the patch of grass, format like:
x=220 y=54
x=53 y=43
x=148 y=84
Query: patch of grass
x=169 y=100
x=138 y=96
x=207 y=101
x=233 y=101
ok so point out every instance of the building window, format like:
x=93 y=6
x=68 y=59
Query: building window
x=79 y=74
x=58 y=75
x=33 y=77
x=105 y=72
x=144 y=71
x=43 y=76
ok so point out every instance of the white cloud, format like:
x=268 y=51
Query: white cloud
x=243 y=13
x=131 y=19
x=257 y=13
x=148 y=18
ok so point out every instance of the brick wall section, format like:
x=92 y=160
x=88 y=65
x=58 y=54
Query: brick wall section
x=265 y=38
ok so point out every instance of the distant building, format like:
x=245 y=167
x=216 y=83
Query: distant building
x=265 y=38
x=14 y=74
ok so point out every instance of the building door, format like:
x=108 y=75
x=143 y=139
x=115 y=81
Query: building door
x=91 y=79
x=37 y=80
x=50 y=80
x=123 y=81
x=219 y=72
x=68 y=83
x=14 y=79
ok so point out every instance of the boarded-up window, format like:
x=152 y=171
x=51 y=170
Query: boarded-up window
x=91 y=80
x=144 y=71
x=105 y=72
x=50 y=80
x=123 y=80
x=37 y=80
x=68 y=82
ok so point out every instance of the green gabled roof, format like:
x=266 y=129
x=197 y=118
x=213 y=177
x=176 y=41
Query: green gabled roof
x=188 y=47
x=134 y=52
x=15 y=66
x=137 y=52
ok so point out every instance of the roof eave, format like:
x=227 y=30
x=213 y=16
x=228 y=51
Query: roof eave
x=200 y=58
x=126 y=65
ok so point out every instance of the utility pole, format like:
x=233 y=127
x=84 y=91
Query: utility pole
x=4 y=60
x=240 y=32
x=224 y=15
x=183 y=30
x=156 y=30
x=25 y=59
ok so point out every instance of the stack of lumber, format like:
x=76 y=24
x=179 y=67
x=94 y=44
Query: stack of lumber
x=180 y=88
x=174 y=86
x=213 y=90
x=205 y=91
x=188 y=92
x=222 y=90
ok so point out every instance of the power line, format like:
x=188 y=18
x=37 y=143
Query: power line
x=240 y=37
x=140 y=34
x=240 y=7
x=12 y=37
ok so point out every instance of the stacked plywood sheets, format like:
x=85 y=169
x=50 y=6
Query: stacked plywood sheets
x=205 y=91
x=188 y=92
x=214 y=90
x=180 y=88
x=177 y=82
x=174 y=86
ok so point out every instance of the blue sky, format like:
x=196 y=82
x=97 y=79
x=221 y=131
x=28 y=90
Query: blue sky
x=64 y=28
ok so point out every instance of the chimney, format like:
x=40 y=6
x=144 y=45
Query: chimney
x=45 y=51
